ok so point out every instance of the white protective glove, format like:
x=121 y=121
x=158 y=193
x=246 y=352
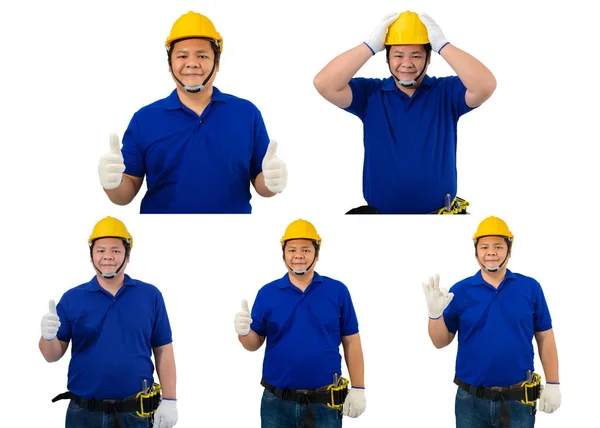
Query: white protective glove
x=112 y=165
x=355 y=403
x=550 y=398
x=437 y=299
x=377 y=37
x=242 y=320
x=50 y=322
x=274 y=169
x=436 y=37
x=166 y=414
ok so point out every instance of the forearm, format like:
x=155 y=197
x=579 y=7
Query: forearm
x=123 y=194
x=438 y=333
x=336 y=75
x=260 y=186
x=251 y=341
x=477 y=78
x=167 y=373
x=355 y=363
x=52 y=350
x=549 y=358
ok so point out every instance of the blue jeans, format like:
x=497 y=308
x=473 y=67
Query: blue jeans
x=278 y=413
x=79 y=417
x=473 y=412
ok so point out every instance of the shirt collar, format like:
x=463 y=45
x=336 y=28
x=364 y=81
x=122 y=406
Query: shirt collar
x=477 y=279
x=285 y=282
x=93 y=285
x=389 y=84
x=172 y=102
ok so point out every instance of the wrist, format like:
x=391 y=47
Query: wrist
x=370 y=48
x=443 y=46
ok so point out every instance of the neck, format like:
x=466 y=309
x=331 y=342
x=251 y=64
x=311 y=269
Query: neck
x=408 y=91
x=112 y=285
x=302 y=281
x=196 y=102
x=494 y=278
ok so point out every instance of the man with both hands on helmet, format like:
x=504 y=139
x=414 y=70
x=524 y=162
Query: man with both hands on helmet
x=199 y=148
x=304 y=317
x=496 y=313
x=115 y=324
x=409 y=119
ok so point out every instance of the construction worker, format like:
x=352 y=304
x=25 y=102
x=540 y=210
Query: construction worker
x=496 y=313
x=409 y=119
x=304 y=317
x=199 y=148
x=115 y=324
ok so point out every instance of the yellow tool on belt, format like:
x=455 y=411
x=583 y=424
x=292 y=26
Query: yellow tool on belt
x=532 y=381
x=456 y=206
x=145 y=394
x=337 y=386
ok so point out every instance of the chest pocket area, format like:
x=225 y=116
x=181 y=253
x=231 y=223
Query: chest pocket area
x=519 y=311
x=86 y=329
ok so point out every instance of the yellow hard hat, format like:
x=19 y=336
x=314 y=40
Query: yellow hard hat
x=110 y=227
x=493 y=226
x=301 y=229
x=408 y=29
x=192 y=25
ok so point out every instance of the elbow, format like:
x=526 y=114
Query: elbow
x=489 y=87
x=320 y=85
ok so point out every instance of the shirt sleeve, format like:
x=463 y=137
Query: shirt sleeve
x=541 y=317
x=361 y=90
x=451 y=313
x=65 y=331
x=161 y=331
x=348 y=321
x=261 y=142
x=458 y=91
x=133 y=156
x=259 y=324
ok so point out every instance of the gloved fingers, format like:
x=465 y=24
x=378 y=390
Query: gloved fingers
x=243 y=318
x=271 y=174
x=114 y=168
x=389 y=18
x=426 y=19
x=245 y=307
x=449 y=298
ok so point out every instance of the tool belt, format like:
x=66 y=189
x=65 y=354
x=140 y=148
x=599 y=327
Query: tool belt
x=527 y=392
x=331 y=395
x=143 y=404
x=458 y=206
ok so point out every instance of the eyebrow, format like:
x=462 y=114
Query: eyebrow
x=187 y=51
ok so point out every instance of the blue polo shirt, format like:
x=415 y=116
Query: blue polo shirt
x=496 y=328
x=303 y=331
x=410 y=142
x=112 y=337
x=196 y=164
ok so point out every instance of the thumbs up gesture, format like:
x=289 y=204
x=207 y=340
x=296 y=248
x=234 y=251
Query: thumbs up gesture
x=112 y=165
x=50 y=322
x=274 y=169
x=242 y=320
x=437 y=299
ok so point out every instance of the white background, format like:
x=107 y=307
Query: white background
x=74 y=72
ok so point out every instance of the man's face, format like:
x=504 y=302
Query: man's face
x=108 y=254
x=299 y=254
x=192 y=60
x=491 y=251
x=407 y=61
